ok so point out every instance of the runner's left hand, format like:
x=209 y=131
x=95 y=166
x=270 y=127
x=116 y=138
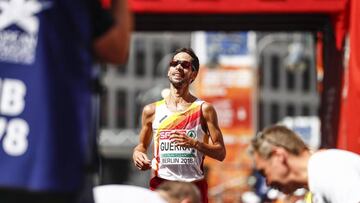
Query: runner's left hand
x=181 y=139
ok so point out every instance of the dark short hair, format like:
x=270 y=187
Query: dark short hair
x=195 y=59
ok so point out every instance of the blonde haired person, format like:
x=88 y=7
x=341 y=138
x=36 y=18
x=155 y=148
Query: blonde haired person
x=179 y=192
x=286 y=162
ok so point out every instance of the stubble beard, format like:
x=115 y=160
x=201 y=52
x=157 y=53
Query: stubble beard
x=177 y=84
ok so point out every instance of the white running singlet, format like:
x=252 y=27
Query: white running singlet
x=173 y=162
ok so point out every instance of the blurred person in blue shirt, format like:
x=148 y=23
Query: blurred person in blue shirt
x=47 y=51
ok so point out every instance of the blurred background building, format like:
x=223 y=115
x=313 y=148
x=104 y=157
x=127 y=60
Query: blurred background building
x=284 y=88
x=288 y=58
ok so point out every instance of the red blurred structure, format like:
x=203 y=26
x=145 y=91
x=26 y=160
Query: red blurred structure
x=334 y=18
x=349 y=133
x=237 y=6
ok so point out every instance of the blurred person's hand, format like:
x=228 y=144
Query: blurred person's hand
x=113 y=46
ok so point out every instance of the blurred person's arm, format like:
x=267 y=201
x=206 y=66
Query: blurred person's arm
x=141 y=161
x=112 y=46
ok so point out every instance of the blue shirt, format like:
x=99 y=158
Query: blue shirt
x=45 y=76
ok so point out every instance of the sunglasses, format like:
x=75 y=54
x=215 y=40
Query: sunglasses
x=184 y=64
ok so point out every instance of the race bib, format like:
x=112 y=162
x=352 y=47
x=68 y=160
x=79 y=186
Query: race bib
x=170 y=154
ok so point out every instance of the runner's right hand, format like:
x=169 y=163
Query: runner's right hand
x=141 y=161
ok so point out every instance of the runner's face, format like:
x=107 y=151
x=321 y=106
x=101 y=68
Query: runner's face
x=276 y=172
x=180 y=74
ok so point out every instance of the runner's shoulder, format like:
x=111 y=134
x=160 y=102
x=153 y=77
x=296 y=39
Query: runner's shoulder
x=149 y=109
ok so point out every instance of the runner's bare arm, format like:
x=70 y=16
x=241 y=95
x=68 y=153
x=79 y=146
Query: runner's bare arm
x=141 y=161
x=216 y=149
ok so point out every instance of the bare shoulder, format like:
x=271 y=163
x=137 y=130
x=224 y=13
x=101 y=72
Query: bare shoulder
x=207 y=108
x=149 y=110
